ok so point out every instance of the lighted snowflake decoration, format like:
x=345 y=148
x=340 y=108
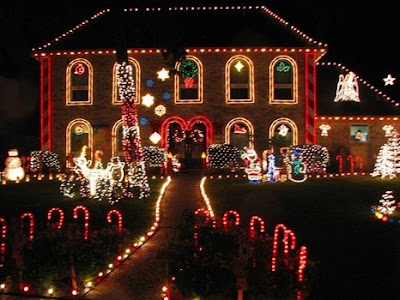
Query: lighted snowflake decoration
x=144 y=121
x=163 y=74
x=155 y=137
x=160 y=110
x=150 y=82
x=167 y=96
x=148 y=100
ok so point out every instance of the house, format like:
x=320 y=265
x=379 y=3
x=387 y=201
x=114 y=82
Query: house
x=239 y=75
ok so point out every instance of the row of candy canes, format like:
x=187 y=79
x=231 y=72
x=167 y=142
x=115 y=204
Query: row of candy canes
x=288 y=239
x=352 y=161
x=59 y=223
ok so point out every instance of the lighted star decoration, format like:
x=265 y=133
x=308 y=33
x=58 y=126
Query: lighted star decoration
x=239 y=66
x=163 y=74
x=148 y=100
x=155 y=137
x=160 y=110
x=389 y=80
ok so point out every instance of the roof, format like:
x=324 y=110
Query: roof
x=373 y=101
x=181 y=27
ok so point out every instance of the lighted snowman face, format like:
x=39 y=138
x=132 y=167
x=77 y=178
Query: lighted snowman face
x=13 y=162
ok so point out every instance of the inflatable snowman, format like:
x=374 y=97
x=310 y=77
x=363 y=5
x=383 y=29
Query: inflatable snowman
x=13 y=170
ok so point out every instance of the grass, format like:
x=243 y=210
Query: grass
x=358 y=255
x=38 y=197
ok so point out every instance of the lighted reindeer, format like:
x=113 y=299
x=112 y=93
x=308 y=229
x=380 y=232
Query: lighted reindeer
x=95 y=175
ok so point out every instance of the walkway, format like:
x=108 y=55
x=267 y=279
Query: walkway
x=143 y=274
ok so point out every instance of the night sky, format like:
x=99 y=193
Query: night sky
x=360 y=36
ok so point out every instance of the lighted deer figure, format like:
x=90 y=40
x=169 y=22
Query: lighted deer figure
x=94 y=175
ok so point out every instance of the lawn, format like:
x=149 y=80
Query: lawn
x=46 y=260
x=358 y=255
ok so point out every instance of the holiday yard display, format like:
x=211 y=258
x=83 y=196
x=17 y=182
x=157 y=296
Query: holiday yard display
x=387 y=209
x=223 y=156
x=387 y=163
x=44 y=161
x=253 y=163
x=13 y=170
x=131 y=142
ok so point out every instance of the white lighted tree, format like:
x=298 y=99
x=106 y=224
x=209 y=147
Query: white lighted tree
x=388 y=203
x=387 y=164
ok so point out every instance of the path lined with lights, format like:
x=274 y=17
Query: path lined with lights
x=143 y=275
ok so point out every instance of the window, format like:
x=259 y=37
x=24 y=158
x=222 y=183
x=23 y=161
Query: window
x=239 y=132
x=283 y=133
x=79 y=82
x=239 y=80
x=116 y=142
x=359 y=133
x=79 y=133
x=283 y=81
x=136 y=75
x=189 y=81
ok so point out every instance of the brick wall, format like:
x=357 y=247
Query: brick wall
x=102 y=114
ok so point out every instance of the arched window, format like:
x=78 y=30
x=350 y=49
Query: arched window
x=239 y=80
x=79 y=133
x=189 y=81
x=239 y=132
x=79 y=82
x=283 y=133
x=116 y=140
x=136 y=75
x=283 y=81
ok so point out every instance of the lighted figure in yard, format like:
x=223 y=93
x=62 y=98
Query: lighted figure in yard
x=296 y=168
x=253 y=165
x=347 y=88
x=387 y=163
x=271 y=168
x=388 y=205
x=13 y=170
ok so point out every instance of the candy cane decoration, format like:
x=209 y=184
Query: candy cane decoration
x=61 y=216
x=225 y=218
x=86 y=212
x=196 y=227
x=302 y=262
x=3 y=237
x=360 y=163
x=31 y=224
x=289 y=235
x=351 y=159
x=252 y=228
x=340 y=159
x=114 y=211
x=275 y=244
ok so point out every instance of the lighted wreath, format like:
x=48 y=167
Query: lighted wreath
x=188 y=70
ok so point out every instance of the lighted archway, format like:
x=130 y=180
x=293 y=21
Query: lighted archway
x=135 y=64
x=206 y=122
x=164 y=129
x=286 y=121
x=186 y=126
x=228 y=96
x=294 y=81
x=234 y=121
x=77 y=67
x=177 y=83
x=68 y=143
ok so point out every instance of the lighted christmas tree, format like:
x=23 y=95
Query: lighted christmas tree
x=131 y=142
x=388 y=203
x=387 y=164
